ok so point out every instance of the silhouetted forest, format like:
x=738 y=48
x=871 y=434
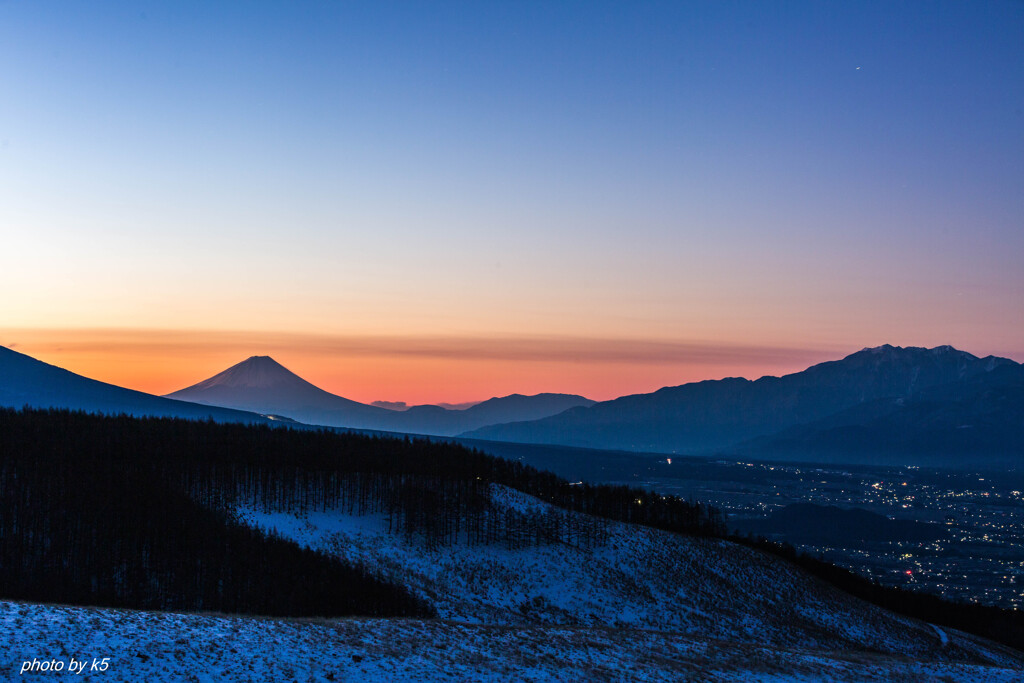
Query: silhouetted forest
x=92 y=511
x=137 y=512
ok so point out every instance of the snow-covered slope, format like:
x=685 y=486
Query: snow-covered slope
x=638 y=579
x=641 y=605
x=163 y=647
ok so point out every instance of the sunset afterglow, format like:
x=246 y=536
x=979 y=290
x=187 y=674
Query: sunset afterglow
x=447 y=202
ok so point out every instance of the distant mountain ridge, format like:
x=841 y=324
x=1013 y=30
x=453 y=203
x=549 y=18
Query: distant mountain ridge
x=25 y=381
x=720 y=415
x=976 y=420
x=883 y=405
x=261 y=384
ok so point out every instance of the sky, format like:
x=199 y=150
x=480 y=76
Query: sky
x=448 y=201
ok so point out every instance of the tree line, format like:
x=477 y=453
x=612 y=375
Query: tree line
x=140 y=512
x=90 y=515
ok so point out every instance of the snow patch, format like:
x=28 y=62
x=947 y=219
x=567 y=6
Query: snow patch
x=640 y=578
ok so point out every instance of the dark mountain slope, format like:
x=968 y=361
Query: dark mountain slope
x=512 y=408
x=975 y=422
x=25 y=381
x=713 y=415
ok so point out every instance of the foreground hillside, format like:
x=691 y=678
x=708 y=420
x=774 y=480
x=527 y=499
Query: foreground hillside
x=633 y=578
x=529 y=576
x=159 y=646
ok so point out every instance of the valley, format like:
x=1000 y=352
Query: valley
x=512 y=341
x=453 y=537
x=455 y=545
x=980 y=560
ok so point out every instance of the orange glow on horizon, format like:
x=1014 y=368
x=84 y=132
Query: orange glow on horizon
x=414 y=370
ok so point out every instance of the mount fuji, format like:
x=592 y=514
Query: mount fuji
x=263 y=385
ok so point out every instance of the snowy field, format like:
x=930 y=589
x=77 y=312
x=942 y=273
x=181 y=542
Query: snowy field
x=643 y=605
x=641 y=578
x=148 y=646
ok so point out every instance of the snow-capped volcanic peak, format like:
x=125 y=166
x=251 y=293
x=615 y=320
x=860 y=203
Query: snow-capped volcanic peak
x=263 y=385
x=255 y=372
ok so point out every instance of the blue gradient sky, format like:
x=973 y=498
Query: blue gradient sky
x=802 y=178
